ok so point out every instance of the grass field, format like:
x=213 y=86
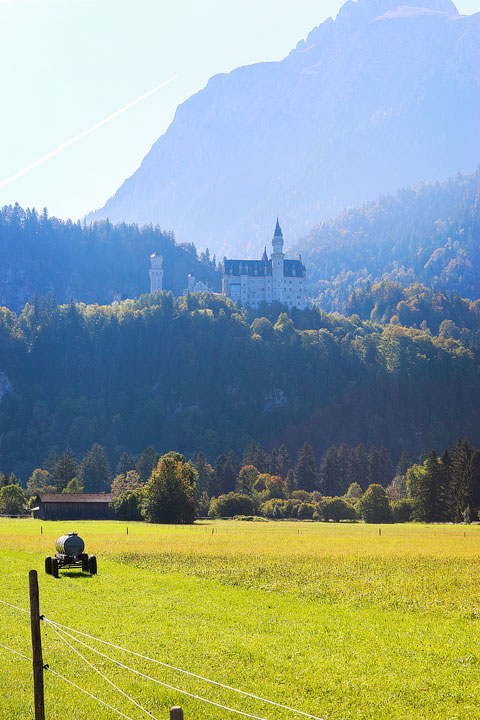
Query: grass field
x=334 y=620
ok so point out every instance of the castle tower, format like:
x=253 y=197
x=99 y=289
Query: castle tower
x=156 y=272
x=277 y=263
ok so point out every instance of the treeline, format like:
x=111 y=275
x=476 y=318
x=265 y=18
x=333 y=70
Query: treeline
x=89 y=263
x=201 y=374
x=427 y=234
x=347 y=484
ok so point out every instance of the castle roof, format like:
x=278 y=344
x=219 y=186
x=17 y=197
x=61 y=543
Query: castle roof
x=262 y=268
x=278 y=230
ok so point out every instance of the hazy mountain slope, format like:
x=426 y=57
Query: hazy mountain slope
x=428 y=234
x=384 y=97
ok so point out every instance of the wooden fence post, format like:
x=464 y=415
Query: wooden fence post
x=36 y=646
x=176 y=713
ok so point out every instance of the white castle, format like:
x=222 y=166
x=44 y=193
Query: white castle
x=254 y=281
x=156 y=272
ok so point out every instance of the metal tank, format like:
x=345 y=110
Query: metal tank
x=70 y=544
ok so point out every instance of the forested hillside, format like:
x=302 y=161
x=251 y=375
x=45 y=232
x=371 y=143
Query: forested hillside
x=200 y=374
x=88 y=263
x=429 y=234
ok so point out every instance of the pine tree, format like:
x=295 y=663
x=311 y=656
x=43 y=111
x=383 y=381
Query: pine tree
x=147 y=462
x=380 y=468
x=219 y=475
x=475 y=487
x=427 y=488
x=246 y=480
x=64 y=470
x=291 y=482
x=460 y=479
x=403 y=464
x=329 y=473
x=126 y=463
x=255 y=455
x=306 y=469
x=359 y=472
x=344 y=468
x=94 y=471
x=284 y=463
x=204 y=474
x=232 y=470
x=273 y=463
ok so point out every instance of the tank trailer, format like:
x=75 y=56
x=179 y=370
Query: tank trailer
x=69 y=554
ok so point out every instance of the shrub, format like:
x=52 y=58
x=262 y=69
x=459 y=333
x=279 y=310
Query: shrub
x=230 y=505
x=305 y=511
x=12 y=499
x=374 y=507
x=302 y=495
x=128 y=505
x=401 y=511
x=337 y=509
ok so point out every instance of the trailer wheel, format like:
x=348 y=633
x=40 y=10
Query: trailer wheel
x=48 y=565
x=92 y=564
x=84 y=562
x=55 y=567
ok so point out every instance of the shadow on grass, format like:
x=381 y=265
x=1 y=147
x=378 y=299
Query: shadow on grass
x=75 y=575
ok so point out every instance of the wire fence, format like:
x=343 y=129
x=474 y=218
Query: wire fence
x=63 y=632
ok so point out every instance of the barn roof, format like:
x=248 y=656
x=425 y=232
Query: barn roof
x=75 y=497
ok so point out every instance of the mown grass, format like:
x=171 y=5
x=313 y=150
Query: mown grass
x=333 y=619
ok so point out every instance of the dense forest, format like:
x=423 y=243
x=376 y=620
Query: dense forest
x=89 y=263
x=428 y=234
x=201 y=374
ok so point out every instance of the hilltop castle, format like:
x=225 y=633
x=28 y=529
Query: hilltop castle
x=254 y=281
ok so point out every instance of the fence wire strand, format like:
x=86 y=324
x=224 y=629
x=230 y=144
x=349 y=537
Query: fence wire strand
x=159 y=682
x=102 y=702
x=16 y=652
x=4 y=602
x=60 y=634
x=49 y=669
x=187 y=672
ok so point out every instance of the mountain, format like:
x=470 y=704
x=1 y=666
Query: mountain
x=429 y=234
x=385 y=96
x=44 y=255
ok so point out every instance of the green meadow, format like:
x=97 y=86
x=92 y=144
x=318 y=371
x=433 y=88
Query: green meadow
x=339 y=621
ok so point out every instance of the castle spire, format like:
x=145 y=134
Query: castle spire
x=278 y=230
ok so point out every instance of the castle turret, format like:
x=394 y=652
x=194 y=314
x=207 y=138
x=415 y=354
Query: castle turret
x=277 y=242
x=156 y=272
x=277 y=263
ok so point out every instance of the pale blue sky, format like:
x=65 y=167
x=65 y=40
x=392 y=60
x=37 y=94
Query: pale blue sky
x=67 y=64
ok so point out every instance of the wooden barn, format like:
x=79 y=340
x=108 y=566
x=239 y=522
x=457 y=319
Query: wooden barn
x=72 y=506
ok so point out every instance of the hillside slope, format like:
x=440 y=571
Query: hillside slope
x=428 y=234
x=383 y=97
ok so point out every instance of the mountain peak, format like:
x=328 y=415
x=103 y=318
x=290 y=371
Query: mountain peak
x=357 y=11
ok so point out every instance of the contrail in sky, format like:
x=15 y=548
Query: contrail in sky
x=84 y=134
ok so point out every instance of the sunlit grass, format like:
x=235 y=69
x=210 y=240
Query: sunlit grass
x=337 y=620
